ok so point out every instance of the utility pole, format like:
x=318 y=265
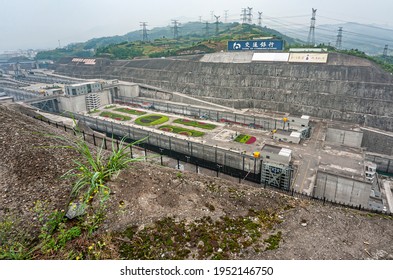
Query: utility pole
x=145 y=37
x=206 y=28
x=176 y=25
x=260 y=19
x=226 y=16
x=200 y=18
x=385 y=51
x=339 y=38
x=217 y=22
x=311 y=34
x=243 y=15
x=249 y=14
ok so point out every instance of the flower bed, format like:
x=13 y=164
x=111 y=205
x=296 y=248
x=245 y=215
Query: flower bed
x=195 y=124
x=151 y=120
x=182 y=131
x=114 y=116
x=130 y=111
x=245 y=139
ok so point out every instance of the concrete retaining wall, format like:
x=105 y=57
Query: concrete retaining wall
x=337 y=91
x=344 y=137
x=384 y=163
x=341 y=189
x=377 y=141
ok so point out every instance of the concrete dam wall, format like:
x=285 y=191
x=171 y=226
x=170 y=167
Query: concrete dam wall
x=346 y=88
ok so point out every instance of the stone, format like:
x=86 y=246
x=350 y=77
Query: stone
x=76 y=209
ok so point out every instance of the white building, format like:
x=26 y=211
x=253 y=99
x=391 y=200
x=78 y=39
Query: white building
x=83 y=88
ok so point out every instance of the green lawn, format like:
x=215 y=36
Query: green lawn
x=195 y=124
x=182 y=131
x=114 y=116
x=150 y=120
x=130 y=111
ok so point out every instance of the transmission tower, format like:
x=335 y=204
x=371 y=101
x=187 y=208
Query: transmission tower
x=217 y=23
x=385 y=51
x=226 y=16
x=206 y=28
x=339 y=38
x=249 y=15
x=311 y=34
x=243 y=16
x=176 y=25
x=212 y=15
x=260 y=19
x=145 y=37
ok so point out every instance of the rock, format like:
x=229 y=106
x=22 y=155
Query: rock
x=304 y=224
x=76 y=209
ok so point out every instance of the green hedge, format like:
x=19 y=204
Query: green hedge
x=130 y=111
x=151 y=120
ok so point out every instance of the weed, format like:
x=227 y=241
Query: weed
x=14 y=244
x=273 y=241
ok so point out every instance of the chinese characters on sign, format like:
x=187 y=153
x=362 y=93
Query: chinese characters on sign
x=255 y=45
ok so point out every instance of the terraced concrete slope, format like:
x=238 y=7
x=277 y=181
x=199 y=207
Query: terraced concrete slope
x=346 y=88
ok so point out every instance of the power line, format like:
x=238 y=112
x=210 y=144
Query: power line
x=249 y=15
x=311 y=34
x=260 y=19
x=217 y=22
x=176 y=25
x=145 y=37
x=206 y=28
x=243 y=16
x=339 y=38
x=226 y=16
x=385 y=51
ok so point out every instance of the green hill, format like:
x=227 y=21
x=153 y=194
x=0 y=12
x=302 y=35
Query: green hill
x=193 y=38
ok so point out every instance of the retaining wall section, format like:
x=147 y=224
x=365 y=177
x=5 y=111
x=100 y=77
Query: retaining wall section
x=357 y=94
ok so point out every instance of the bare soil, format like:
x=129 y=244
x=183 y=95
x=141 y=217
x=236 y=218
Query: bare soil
x=147 y=193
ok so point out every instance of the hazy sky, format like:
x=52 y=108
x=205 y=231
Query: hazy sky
x=42 y=23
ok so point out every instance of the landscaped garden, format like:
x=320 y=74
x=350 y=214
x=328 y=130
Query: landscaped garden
x=182 y=131
x=130 y=111
x=245 y=139
x=195 y=124
x=150 y=120
x=110 y=107
x=114 y=116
